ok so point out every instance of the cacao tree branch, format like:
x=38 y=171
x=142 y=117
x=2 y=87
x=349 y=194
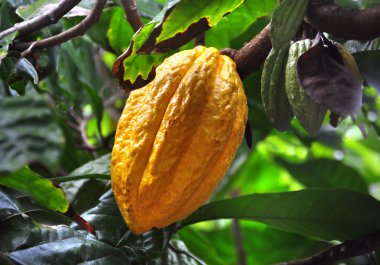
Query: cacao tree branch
x=346 y=250
x=132 y=14
x=251 y=56
x=44 y=20
x=69 y=34
x=343 y=22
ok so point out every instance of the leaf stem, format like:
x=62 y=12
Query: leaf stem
x=78 y=177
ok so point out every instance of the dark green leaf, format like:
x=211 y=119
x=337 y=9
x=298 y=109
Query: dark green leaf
x=326 y=173
x=106 y=219
x=28 y=133
x=324 y=213
x=76 y=250
x=369 y=67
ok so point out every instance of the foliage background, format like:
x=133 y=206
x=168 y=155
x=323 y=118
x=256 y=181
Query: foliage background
x=59 y=109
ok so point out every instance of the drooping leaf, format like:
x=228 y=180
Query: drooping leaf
x=28 y=133
x=176 y=24
x=329 y=214
x=24 y=66
x=329 y=83
x=326 y=173
x=40 y=189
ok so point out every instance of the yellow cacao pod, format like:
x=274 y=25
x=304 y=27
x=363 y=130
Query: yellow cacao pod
x=177 y=137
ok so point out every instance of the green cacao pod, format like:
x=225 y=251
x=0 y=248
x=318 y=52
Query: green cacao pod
x=273 y=92
x=286 y=20
x=309 y=114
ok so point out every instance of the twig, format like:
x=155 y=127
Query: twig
x=44 y=20
x=346 y=250
x=200 y=39
x=331 y=18
x=236 y=232
x=132 y=14
x=75 y=31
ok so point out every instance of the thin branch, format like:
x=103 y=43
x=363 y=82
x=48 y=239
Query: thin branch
x=332 y=18
x=76 y=31
x=44 y=20
x=237 y=236
x=132 y=14
x=346 y=250
x=250 y=58
x=200 y=39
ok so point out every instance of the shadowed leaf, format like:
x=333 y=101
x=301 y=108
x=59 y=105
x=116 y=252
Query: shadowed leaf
x=328 y=83
x=329 y=214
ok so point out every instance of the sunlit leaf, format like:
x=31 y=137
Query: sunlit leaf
x=40 y=189
x=119 y=32
x=174 y=26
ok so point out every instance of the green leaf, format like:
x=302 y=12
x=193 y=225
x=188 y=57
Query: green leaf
x=28 y=133
x=286 y=20
x=106 y=219
x=326 y=173
x=188 y=12
x=98 y=168
x=149 y=8
x=169 y=30
x=231 y=26
x=329 y=214
x=4 y=44
x=24 y=66
x=369 y=68
x=39 y=188
x=80 y=250
x=197 y=243
x=37 y=8
x=119 y=32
